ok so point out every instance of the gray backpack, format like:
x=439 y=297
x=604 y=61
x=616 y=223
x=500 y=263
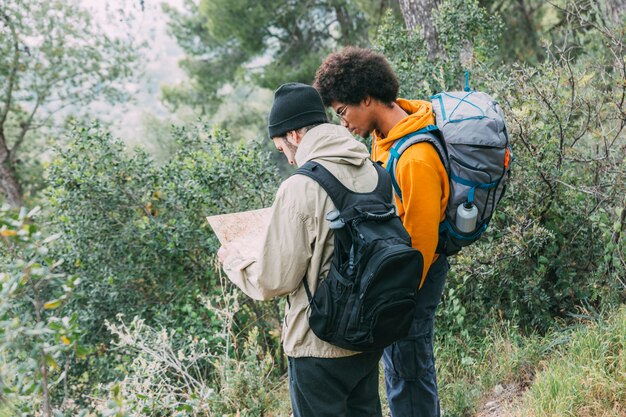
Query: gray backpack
x=473 y=143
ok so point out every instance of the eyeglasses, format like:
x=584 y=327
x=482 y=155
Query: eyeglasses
x=341 y=111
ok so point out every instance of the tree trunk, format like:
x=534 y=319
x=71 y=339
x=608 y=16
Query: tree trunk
x=420 y=13
x=8 y=179
x=615 y=10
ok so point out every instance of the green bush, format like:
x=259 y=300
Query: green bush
x=137 y=234
x=557 y=243
x=39 y=335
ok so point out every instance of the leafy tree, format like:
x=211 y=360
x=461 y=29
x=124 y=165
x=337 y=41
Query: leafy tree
x=557 y=243
x=533 y=26
x=528 y=25
x=526 y=22
x=419 y=15
x=136 y=232
x=38 y=335
x=53 y=58
x=469 y=36
x=262 y=43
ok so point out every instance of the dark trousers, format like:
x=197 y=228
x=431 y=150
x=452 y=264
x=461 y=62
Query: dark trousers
x=335 y=387
x=410 y=376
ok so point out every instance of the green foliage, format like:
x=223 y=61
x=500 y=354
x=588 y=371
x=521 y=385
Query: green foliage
x=53 y=58
x=557 y=242
x=136 y=231
x=153 y=327
x=533 y=26
x=264 y=43
x=39 y=335
x=468 y=35
x=470 y=368
x=528 y=24
x=139 y=229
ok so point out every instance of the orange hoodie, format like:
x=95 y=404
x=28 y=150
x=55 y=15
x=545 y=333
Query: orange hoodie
x=421 y=177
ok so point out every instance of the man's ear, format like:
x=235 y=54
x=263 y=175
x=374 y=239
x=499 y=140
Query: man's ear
x=367 y=101
x=296 y=137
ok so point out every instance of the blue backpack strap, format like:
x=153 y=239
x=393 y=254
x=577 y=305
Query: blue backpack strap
x=460 y=100
x=474 y=185
x=429 y=134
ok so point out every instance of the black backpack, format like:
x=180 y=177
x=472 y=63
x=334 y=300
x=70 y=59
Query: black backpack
x=368 y=299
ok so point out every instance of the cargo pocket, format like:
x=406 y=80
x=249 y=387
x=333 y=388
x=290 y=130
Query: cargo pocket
x=412 y=358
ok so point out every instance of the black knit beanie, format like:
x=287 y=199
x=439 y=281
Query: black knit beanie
x=295 y=105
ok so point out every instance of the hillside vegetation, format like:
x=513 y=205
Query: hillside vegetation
x=112 y=303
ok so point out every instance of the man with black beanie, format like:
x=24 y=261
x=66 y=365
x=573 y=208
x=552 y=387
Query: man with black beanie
x=324 y=380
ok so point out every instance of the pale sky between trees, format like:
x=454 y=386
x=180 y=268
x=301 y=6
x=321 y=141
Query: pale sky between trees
x=161 y=54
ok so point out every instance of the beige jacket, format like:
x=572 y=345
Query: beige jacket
x=298 y=242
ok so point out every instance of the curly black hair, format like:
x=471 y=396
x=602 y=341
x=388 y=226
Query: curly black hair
x=349 y=76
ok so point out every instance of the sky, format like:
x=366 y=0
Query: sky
x=162 y=55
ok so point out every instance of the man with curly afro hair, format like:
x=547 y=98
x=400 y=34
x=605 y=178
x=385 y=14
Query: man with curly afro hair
x=362 y=88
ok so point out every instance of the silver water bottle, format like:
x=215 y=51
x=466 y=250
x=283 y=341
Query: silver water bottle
x=466 y=217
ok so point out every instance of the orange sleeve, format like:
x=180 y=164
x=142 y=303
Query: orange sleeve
x=423 y=182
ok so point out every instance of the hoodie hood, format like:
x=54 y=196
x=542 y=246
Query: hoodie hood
x=420 y=115
x=331 y=143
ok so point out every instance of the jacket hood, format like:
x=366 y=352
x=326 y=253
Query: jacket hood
x=332 y=143
x=420 y=116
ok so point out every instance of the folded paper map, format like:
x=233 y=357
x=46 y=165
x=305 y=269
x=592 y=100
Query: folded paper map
x=242 y=231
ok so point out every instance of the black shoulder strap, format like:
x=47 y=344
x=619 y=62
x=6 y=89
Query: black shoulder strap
x=338 y=192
